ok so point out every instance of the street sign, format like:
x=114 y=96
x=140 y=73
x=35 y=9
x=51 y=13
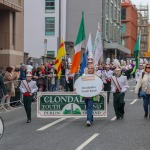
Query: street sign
x=1 y=128
x=68 y=105
x=88 y=85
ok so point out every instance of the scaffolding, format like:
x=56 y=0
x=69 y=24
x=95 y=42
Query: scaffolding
x=143 y=19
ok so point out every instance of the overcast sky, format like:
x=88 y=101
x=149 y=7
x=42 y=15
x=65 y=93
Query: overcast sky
x=143 y=2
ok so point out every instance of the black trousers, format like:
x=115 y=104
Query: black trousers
x=118 y=101
x=107 y=87
x=69 y=85
x=27 y=105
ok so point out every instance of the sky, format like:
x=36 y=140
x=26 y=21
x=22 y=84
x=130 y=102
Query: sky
x=143 y=2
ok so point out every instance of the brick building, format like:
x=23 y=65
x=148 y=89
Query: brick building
x=129 y=19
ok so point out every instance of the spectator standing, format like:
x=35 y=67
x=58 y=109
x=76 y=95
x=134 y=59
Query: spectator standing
x=8 y=78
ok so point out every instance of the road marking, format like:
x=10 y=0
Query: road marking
x=133 y=102
x=114 y=118
x=131 y=90
x=50 y=124
x=87 y=141
x=131 y=80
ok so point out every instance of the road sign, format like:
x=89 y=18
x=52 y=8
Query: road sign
x=68 y=104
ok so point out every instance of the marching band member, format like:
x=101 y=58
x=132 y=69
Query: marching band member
x=123 y=72
x=69 y=77
x=98 y=70
x=119 y=86
x=90 y=62
x=106 y=77
x=28 y=88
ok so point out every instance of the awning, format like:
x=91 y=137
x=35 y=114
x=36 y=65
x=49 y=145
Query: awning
x=116 y=46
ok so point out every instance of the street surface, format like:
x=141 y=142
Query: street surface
x=131 y=133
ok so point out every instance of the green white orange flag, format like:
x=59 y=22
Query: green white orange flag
x=78 y=44
x=58 y=61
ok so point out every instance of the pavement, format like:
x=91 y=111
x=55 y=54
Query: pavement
x=131 y=133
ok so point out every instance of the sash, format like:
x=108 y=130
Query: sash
x=114 y=79
x=26 y=85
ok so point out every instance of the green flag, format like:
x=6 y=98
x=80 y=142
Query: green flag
x=136 y=51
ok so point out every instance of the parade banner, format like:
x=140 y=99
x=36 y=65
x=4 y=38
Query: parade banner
x=88 y=85
x=68 y=105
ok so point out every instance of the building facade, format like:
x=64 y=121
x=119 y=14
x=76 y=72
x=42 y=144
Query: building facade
x=111 y=26
x=92 y=15
x=129 y=19
x=56 y=19
x=41 y=27
x=11 y=32
x=143 y=18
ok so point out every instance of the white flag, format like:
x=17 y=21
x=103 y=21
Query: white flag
x=98 y=46
x=89 y=44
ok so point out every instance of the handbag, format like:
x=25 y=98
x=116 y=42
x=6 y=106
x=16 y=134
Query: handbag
x=142 y=94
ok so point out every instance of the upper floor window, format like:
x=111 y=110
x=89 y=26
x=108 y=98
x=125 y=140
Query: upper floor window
x=50 y=26
x=123 y=14
x=49 y=6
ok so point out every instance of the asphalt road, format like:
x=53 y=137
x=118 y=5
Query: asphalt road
x=131 y=133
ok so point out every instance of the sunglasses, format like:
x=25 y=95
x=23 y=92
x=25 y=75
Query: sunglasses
x=147 y=67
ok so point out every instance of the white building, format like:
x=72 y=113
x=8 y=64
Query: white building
x=41 y=27
x=45 y=20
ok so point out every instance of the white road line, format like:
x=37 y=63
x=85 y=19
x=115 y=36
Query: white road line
x=131 y=90
x=50 y=124
x=114 y=118
x=133 y=102
x=87 y=141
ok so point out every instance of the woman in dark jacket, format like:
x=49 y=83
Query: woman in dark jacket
x=3 y=92
x=23 y=72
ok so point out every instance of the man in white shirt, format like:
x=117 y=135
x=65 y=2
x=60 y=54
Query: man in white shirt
x=119 y=86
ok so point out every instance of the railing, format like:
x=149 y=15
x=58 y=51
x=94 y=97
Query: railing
x=44 y=85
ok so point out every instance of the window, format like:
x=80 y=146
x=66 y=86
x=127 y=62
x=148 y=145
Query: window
x=49 y=26
x=112 y=12
x=50 y=53
x=123 y=41
x=123 y=29
x=107 y=30
x=123 y=14
x=49 y=6
x=107 y=8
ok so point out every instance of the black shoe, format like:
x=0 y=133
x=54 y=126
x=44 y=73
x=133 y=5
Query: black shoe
x=122 y=117
x=29 y=120
x=146 y=115
x=118 y=118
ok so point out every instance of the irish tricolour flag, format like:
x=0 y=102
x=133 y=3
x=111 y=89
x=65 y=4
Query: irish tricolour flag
x=78 y=44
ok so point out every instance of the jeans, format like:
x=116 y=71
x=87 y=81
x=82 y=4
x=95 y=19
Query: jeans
x=89 y=108
x=146 y=103
x=52 y=87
